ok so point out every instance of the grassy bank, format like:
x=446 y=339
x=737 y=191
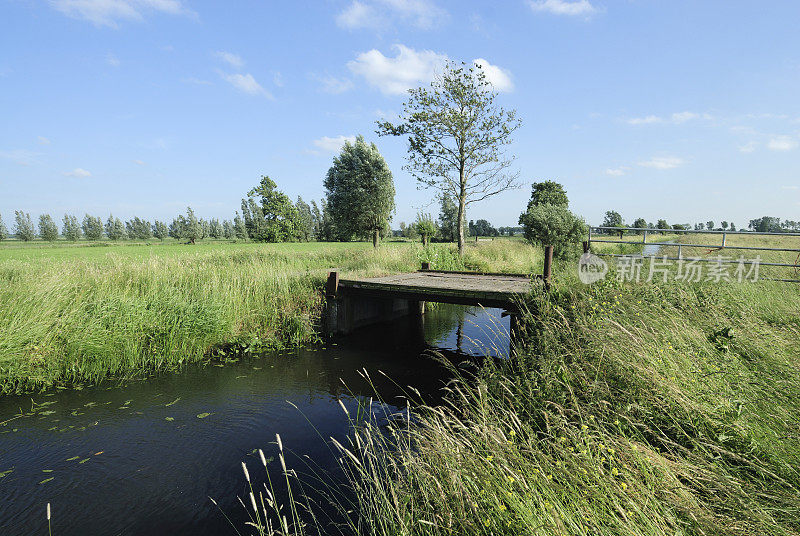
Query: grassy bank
x=638 y=409
x=82 y=313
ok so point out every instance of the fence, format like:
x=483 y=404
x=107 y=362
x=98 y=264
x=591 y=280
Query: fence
x=720 y=241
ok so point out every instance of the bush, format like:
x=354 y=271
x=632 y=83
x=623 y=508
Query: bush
x=553 y=225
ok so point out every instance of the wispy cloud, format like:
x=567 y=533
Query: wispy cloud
x=110 y=12
x=382 y=14
x=41 y=140
x=78 y=172
x=112 y=60
x=21 y=157
x=334 y=85
x=663 y=162
x=675 y=119
x=616 y=172
x=782 y=143
x=139 y=162
x=570 y=8
x=234 y=60
x=748 y=147
x=246 y=84
x=326 y=144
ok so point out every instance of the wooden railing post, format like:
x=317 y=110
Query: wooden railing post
x=426 y=266
x=586 y=246
x=332 y=287
x=548 y=265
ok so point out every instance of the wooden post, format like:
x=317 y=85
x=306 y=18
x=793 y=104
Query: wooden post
x=426 y=266
x=644 y=237
x=333 y=284
x=586 y=246
x=548 y=265
x=723 y=240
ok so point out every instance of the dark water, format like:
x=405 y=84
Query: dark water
x=137 y=458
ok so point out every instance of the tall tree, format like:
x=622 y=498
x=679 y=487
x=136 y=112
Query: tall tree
x=72 y=229
x=548 y=193
x=3 y=229
x=316 y=213
x=115 y=229
x=190 y=227
x=662 y=224
x=228 y=230
x=360 y=192
x=48 y=229
x=272 y=215
x=425 y=226
x=240 y=227
x=305 y=218
x=23 y=228
x=215 y=229
x=92 y=227
x=640 y=223
x=448 y=218
x=710 y=225
x=139 y=228
x=160 y=230
x=457 y=135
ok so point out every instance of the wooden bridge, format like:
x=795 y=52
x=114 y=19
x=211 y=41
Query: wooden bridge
x=355 y=303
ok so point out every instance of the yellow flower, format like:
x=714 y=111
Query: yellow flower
x=487 y=522
x=489 y=458
x=512 y=433
x=616 y=422
x=614 y=471
x=624 y=486
x=511 y=479
x=502 y=507
x=584 y=427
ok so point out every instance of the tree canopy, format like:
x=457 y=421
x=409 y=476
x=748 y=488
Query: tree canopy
x=457 y=137
x=269 y=214
x=359 y=190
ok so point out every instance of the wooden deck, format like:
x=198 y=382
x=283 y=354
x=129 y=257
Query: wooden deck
x=488 y=290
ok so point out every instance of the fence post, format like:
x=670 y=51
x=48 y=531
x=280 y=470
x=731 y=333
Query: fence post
x=333 y=284
x=723 y=240
x=644 y=237
x=426 y=266
x=585 y=246
x=548 y=265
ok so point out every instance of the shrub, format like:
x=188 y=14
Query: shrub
x=553 y=225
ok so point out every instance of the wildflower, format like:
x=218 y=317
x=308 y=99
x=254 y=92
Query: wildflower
x=547 y=504
x=489 y=458
x=502 y=507
x=584 y=427
x=512 y=433
x=615 y=471
x=616 y=422
x=486 y=522
x=511 y=480
x=624 y=486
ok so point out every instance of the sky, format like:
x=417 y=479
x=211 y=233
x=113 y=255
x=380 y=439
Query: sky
x=682 y=109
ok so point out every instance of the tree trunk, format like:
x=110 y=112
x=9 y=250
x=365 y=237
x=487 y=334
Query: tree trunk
x=376 y=236
x=462 y=198
x=424 y=240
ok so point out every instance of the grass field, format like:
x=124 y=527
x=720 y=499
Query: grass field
x=84 y=312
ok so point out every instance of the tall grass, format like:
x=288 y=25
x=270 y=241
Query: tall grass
x=636 y=409
x=82 y=315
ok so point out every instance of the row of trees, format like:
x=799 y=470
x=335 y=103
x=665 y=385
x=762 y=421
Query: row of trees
x=614 y=219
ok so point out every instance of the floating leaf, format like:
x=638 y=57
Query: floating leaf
x=169 y=418
x=84 y=460
x=173 y=402
x=48 y=412
x=47 y=470
x=6 y=472
x=99 y=453
x=203 y=415
x=73 y=458
x=46 y=480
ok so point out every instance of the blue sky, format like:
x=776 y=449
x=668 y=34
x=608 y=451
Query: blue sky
x=684 y=110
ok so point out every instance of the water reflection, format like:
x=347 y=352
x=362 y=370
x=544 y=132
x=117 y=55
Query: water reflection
x=143 y=458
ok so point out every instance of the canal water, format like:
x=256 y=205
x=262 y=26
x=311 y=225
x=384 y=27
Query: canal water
x=146 y=456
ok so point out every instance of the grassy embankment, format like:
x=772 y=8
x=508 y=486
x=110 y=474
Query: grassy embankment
x=638 y=409
x=73 y=313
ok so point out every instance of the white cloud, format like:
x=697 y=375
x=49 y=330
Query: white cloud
x=41 y=140
x=663 y=162
x=277 y=79
x=497 y=76
x=112 y=60
x=333 y=85
x=682 y=117
x=616 y=172
x=748 y=147
x=109 y=12
x=791 y=187
x=21 y=157
x=782 y=143
x=332 y=145
x=647 y=120
x=569 y=8
x=139 y=162
x=78 y=172
x=246 y=84
x=230 y=58
x=393 y=76
x=380 y=14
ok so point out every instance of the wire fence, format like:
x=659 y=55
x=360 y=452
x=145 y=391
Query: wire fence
x=779 y=252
